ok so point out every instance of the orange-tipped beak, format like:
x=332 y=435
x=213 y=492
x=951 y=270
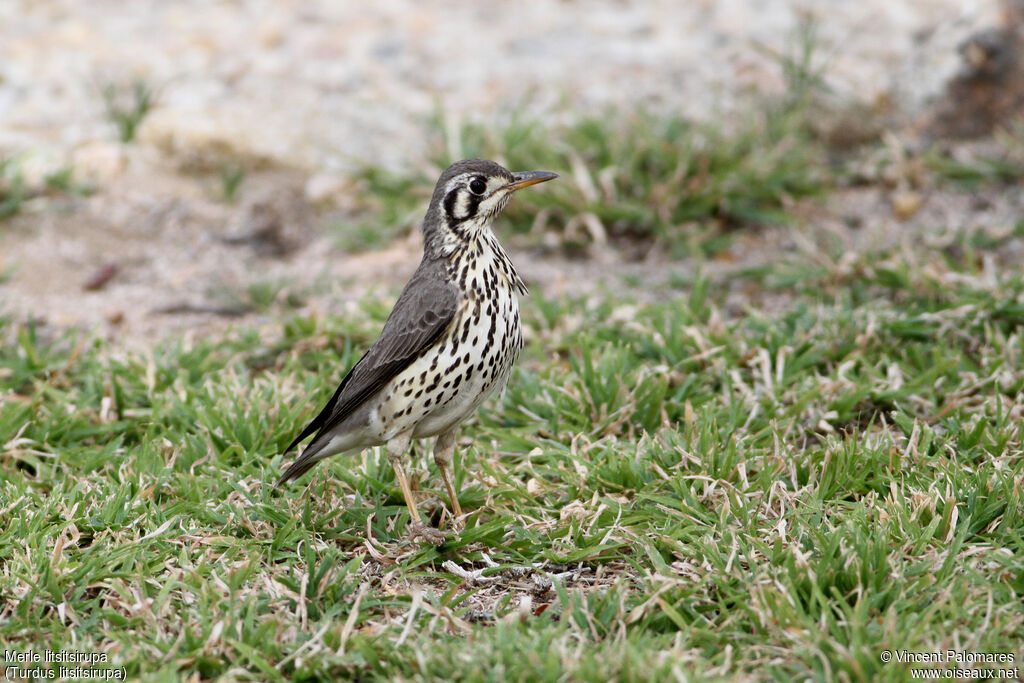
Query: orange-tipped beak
x=527 y=178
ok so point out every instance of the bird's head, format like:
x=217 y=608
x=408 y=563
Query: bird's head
x=468 y=195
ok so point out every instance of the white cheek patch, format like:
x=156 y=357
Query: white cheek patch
x=462 y=207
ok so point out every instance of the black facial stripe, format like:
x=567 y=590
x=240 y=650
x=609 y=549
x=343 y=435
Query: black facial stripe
x=450 y=200
x=451 y=203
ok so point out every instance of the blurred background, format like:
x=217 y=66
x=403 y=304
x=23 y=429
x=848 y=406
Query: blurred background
x=178 y=166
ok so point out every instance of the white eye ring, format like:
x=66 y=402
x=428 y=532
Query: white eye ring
x=477 y=186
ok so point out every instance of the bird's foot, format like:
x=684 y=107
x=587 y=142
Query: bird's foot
x=415 y=529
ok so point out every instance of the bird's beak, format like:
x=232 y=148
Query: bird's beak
x=527 y=178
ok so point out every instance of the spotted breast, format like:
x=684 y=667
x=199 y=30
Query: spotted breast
x=471 y=360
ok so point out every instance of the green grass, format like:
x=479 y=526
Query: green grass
x=1002 y=163
x=643 y=181
x=231 y=177
x=637 y=176
x=127 y=105
x=15 y=190
x=12 y=188
x=632 y=176
x=666 y=491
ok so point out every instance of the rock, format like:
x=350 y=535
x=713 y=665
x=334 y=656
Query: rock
x=100 y=160
x=989 y=89
x=327 y=188
x=100 y=277
x=905 y=203
x=201 y=143
x=274 y=223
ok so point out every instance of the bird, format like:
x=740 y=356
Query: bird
x=449 y=342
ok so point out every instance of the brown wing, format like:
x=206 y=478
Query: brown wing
x=423 y=312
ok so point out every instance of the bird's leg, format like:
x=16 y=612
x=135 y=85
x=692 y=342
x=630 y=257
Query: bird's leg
x=444 y=450
x=396 y=450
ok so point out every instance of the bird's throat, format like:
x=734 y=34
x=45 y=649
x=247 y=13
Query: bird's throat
x=481 y=264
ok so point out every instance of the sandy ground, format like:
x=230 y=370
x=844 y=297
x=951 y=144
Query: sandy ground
x=300 y=93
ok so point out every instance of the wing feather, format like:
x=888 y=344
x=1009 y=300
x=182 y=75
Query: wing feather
x=422 y=313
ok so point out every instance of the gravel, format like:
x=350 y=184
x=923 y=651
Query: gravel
x=322 y=84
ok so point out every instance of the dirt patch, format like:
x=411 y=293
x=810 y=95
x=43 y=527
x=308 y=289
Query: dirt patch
x=295 y=98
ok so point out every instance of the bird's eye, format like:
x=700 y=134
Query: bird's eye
x=477 y=186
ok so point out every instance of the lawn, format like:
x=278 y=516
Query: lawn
x=668 y=490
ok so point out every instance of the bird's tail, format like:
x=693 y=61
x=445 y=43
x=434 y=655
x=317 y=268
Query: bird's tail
x=311 y=456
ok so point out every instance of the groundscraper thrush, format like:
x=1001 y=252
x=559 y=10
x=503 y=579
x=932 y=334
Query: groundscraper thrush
x=449 y=342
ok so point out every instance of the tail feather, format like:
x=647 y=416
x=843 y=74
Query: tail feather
x=310 y=457
x=343 y=438
x=297 y=469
